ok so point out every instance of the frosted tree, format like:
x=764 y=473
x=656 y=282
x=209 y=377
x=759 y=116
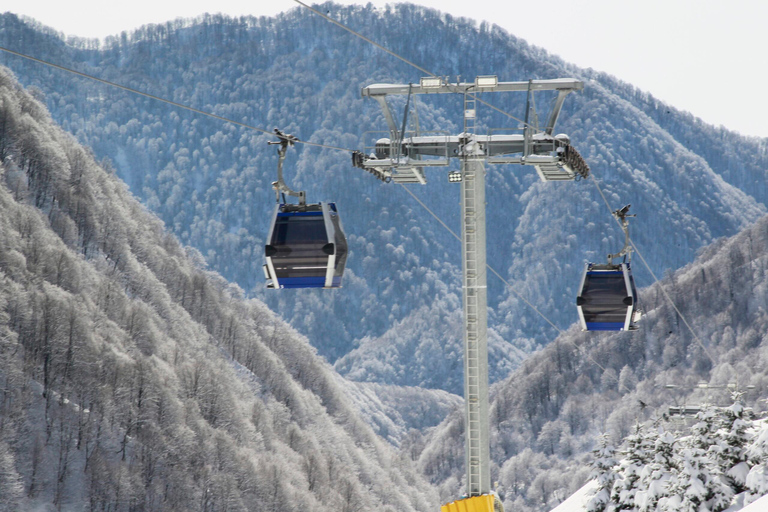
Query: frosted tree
x=704 y=432
x=637 y=454
x=731 y=450
x=627 y=379
x=655 y=476
x=11 y=487
x=699 y=471
x=696 y=486
x=757 y=453
x=687 y=486
x=603 y=470
x=116 y=391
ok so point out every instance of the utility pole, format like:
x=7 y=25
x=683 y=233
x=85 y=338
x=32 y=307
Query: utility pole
x=402 y=157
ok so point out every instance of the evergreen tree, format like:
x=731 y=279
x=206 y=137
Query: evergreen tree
x=603 y=470
x=757 y=453
x=731 y=449
x=654 y=477
x=697 y=486
x=704 y=433
x=637 y=455
x=687 y=490
x=699 y=467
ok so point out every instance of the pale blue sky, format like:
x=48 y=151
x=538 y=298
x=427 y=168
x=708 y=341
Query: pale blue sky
x=708 y=57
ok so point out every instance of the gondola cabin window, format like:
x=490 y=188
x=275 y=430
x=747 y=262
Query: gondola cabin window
x=307 y=247
x=608 y=298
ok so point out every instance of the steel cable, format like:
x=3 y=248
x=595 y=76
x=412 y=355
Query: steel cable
x=163 y=100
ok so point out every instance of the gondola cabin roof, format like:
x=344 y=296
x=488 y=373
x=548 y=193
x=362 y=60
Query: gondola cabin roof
x=306 y=247
x=607 y=299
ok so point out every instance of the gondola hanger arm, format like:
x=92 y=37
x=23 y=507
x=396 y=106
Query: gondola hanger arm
x=286 y=139
x=622 y=215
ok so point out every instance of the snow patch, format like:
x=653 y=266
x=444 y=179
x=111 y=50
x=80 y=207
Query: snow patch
x=760 y=505
x=578 y=500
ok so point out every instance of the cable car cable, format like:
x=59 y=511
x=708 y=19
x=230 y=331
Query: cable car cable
x=243 y=125
x=377 y=45
x=656 y=279
x=457 y=237
x=361 y=36
x=163 y=100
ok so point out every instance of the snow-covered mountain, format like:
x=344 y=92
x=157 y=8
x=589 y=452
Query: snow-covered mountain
x=577 y=502
x=131 y=378
x=689 y=183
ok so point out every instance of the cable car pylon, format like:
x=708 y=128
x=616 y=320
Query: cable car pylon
x=402 y=157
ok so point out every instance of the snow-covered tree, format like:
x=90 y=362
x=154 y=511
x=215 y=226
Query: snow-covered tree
x=603 y=470
x=704 y=433
x=696 y=486
x=699 y=484
x=637 y=454
x=757 y=478
x=11 y=487
x=132 y=378
x=730 y=453
x=687 y=491
x=654 y=477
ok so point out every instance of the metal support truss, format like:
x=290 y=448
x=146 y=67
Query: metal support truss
x=403 y=157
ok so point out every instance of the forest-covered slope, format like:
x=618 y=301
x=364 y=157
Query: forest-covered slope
x=132 y=378
x=548 y=414
x=689 y=183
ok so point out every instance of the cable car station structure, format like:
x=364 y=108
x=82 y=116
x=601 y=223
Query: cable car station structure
x=402 y=159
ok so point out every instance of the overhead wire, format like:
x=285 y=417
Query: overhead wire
x=489 y=267
x=366 y=39
x=656 y=279
x=250 y=127
x=390 y=52
x=160 y=99
x=377 y=45
x=480 y=100
x=400 y=57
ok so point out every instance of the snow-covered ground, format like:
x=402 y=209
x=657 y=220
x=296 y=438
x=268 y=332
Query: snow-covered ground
x=578 y=501
x=760 y=505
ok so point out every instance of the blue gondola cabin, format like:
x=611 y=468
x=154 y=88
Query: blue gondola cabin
x=306 y=247
x=607 y=300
